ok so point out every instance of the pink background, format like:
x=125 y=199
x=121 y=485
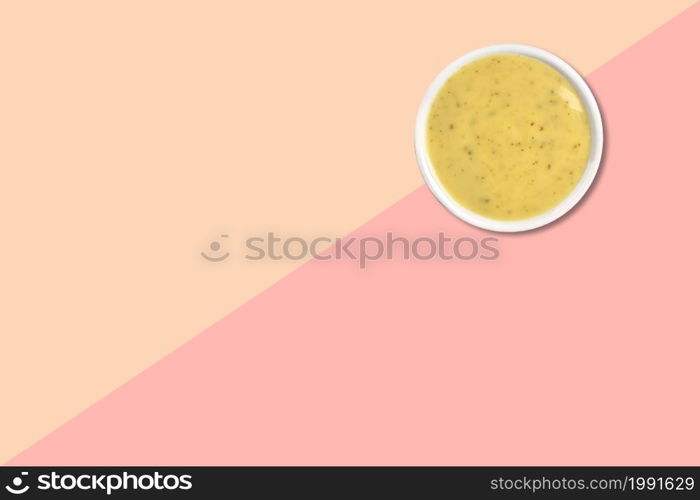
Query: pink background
x=578 y=346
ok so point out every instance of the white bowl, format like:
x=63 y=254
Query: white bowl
x=594 y=120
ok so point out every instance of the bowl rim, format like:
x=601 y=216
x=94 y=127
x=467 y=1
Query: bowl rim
x=594 y=120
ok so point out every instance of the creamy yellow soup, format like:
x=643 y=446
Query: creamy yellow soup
x=508 y=137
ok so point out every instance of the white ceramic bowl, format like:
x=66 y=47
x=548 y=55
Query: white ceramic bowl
x=594 y=120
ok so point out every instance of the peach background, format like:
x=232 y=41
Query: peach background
x=136 y=132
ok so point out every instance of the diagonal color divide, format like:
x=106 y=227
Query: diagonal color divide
x=577 y=346
x=126 y=156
